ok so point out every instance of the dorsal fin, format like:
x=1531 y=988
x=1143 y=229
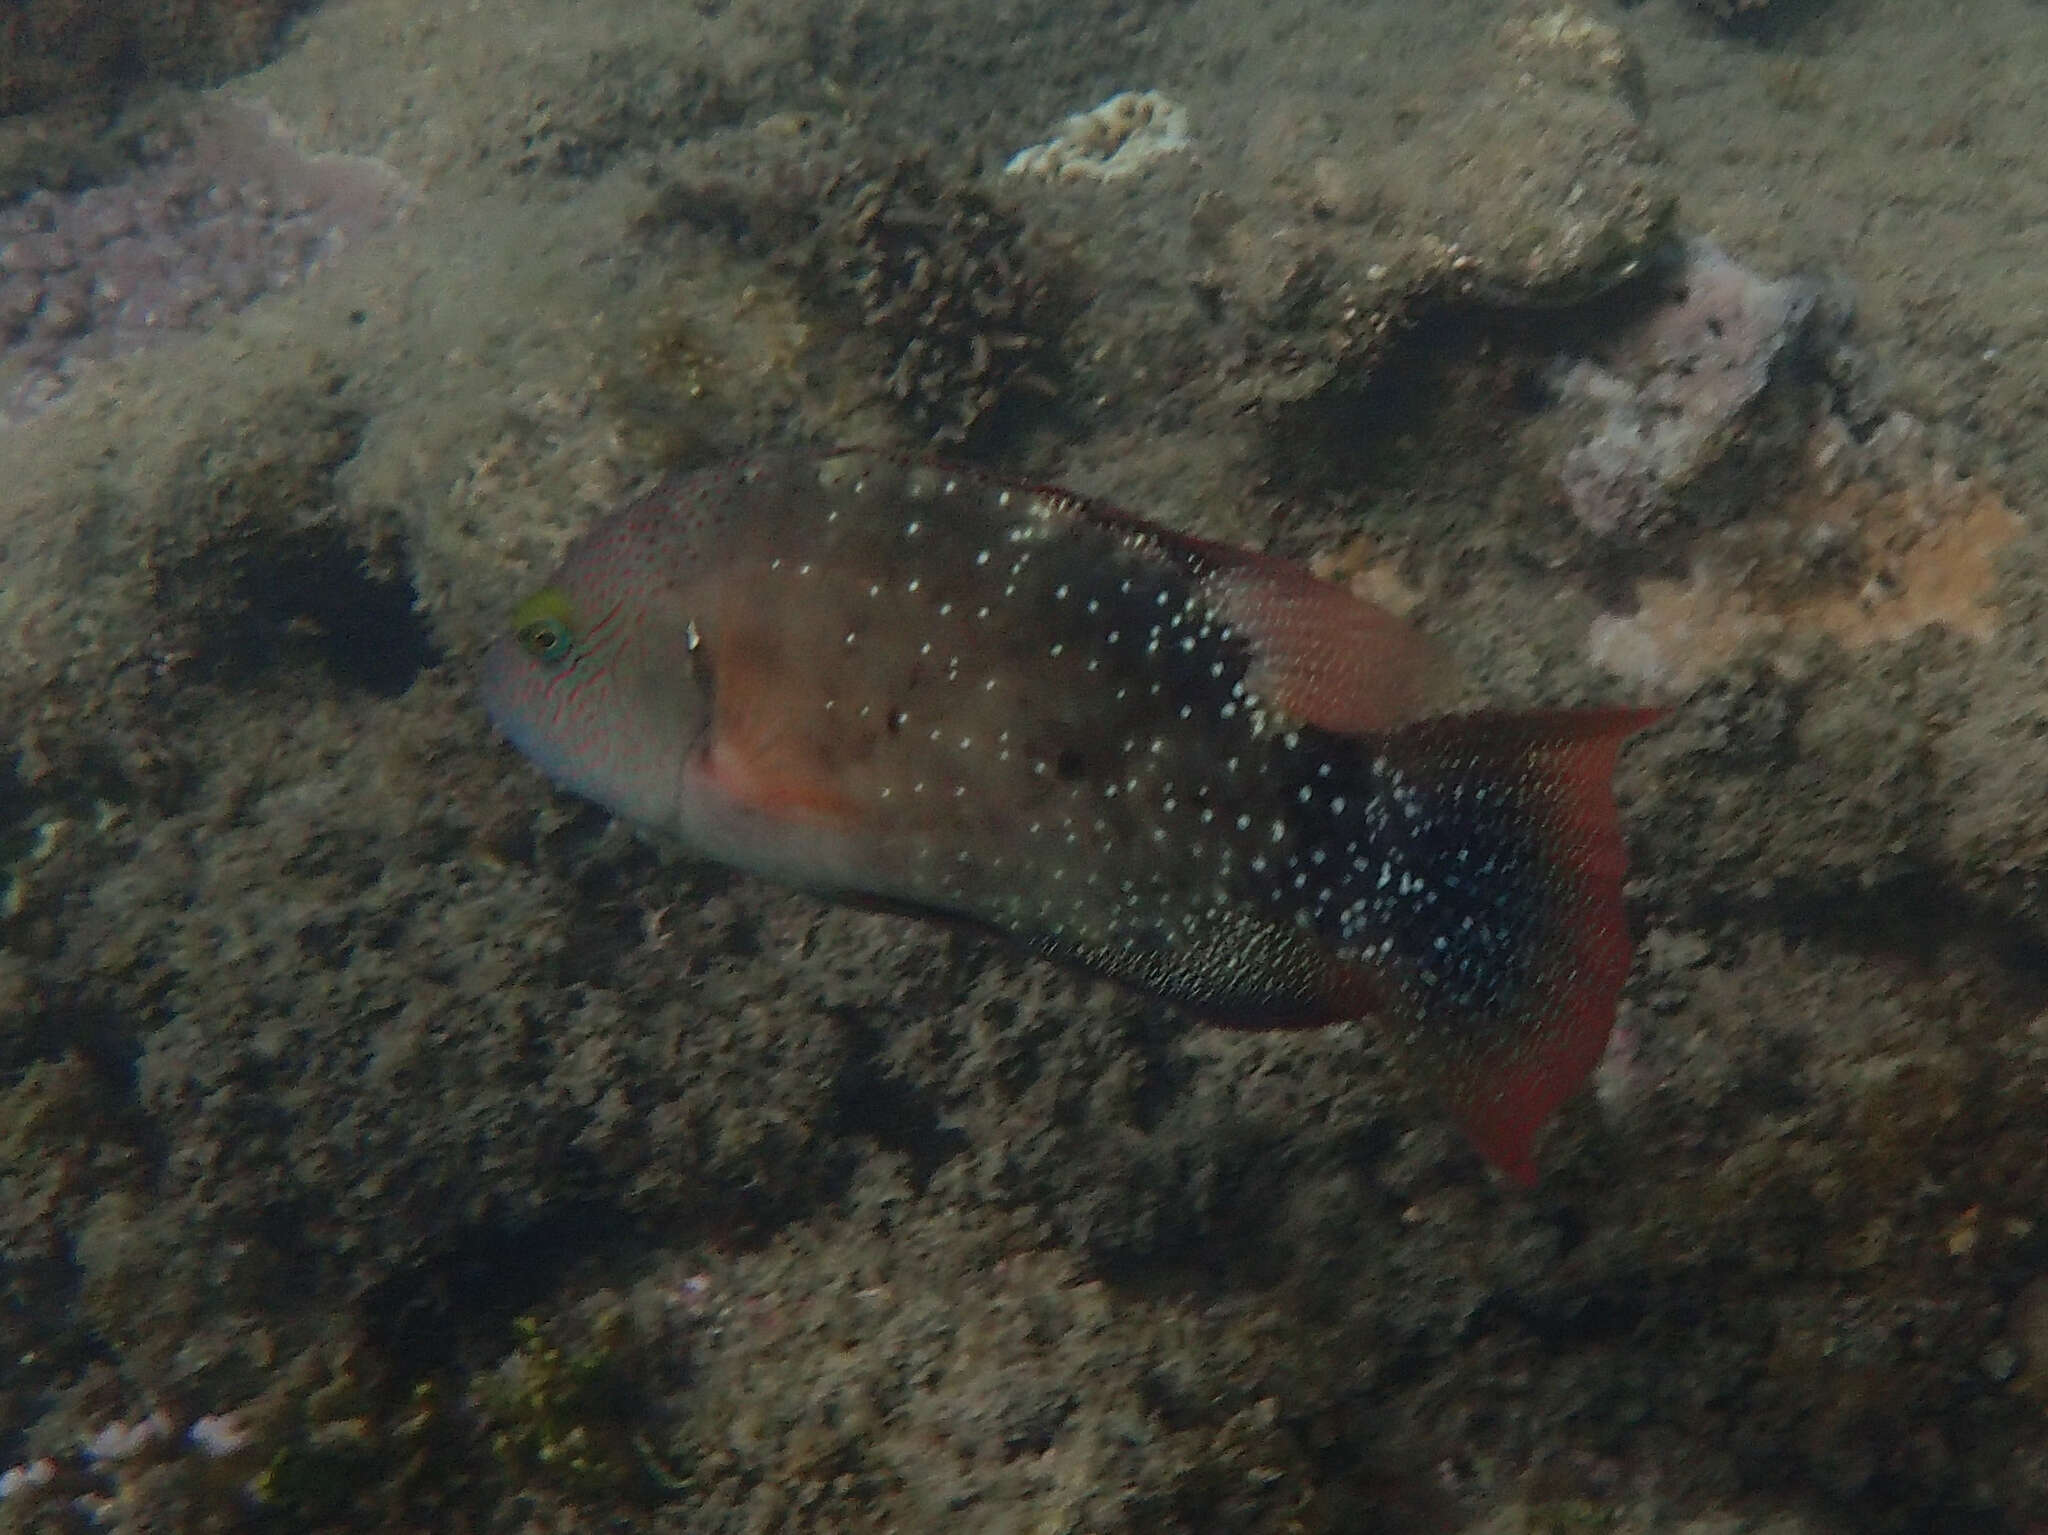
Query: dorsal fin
x=1325 y=655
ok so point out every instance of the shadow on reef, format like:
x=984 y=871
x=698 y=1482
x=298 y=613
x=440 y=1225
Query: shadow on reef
x=462 y=1298
x=279 y=580
x=303 y=594
x=1448 y=412
x=1760 y=21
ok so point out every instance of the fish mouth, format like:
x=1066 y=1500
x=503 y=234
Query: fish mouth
x=508 y=690
x=500 y=674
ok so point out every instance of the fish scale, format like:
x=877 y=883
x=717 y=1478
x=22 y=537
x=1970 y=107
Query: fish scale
x=1187 y=767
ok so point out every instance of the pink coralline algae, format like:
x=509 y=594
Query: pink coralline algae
x=1678 y=389
x=236 y=212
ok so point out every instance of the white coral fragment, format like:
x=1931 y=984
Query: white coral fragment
x=1119 y=138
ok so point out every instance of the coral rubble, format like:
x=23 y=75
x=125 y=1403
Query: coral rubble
x=1117 y=139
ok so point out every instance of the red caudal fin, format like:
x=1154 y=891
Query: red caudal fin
x=1506 y=983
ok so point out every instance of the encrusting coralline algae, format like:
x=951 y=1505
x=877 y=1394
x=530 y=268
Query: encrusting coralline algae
x=207 y=226
x=1675 y=388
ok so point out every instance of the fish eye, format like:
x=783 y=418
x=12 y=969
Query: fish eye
x=545 y=639
x=542 y=627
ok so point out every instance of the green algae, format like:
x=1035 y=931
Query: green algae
x=574 y=1415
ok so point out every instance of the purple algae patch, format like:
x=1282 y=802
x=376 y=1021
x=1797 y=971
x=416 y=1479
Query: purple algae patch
x=235 y=212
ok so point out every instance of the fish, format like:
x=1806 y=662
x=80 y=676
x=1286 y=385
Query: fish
x=1195 y=769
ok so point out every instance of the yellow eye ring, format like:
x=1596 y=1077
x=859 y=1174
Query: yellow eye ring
x=542 y=626
x=545 y=639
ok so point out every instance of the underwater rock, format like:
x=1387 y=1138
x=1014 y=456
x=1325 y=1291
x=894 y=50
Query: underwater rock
x=51 y=50
x=1540 y=176
x=1874 y=542
x=1679 y=390
x=1329 y=238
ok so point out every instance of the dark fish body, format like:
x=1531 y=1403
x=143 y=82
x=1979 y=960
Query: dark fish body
x=1186 y=766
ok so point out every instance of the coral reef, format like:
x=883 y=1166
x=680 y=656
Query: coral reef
x=1328 y=240
x=941 y=276
x=852 y=1357
x=924 y=289
x=1117 y=139
x=228 y=211
x=1873 y=542
x=577 y=1416
x=1679 y=390
x=54 y=49
x=447 y=1159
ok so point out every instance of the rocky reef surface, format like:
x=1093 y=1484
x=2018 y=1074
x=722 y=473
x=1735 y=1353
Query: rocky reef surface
x=64 y=53
x=387 y=1142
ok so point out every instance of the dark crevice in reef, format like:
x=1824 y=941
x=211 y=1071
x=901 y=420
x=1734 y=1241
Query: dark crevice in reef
x=1394 y=420
x=467 y=1291
x=271 y=599
x=869 y=1101
x=1913 y=916
x=97 y=1034
x=1914 y=913
x=259 y=572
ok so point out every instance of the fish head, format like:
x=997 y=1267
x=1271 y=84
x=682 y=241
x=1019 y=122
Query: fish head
x=599 y=679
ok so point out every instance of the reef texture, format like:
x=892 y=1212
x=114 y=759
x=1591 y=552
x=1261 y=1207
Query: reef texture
x=227 y=212
x=1117 y=139
x=386 y=1142
x=1678 y=393
x=51 y=50
x=940 y=276
x=1755 y=18
x=957 y=317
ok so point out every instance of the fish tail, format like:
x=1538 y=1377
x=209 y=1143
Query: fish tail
x=1506 y=980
